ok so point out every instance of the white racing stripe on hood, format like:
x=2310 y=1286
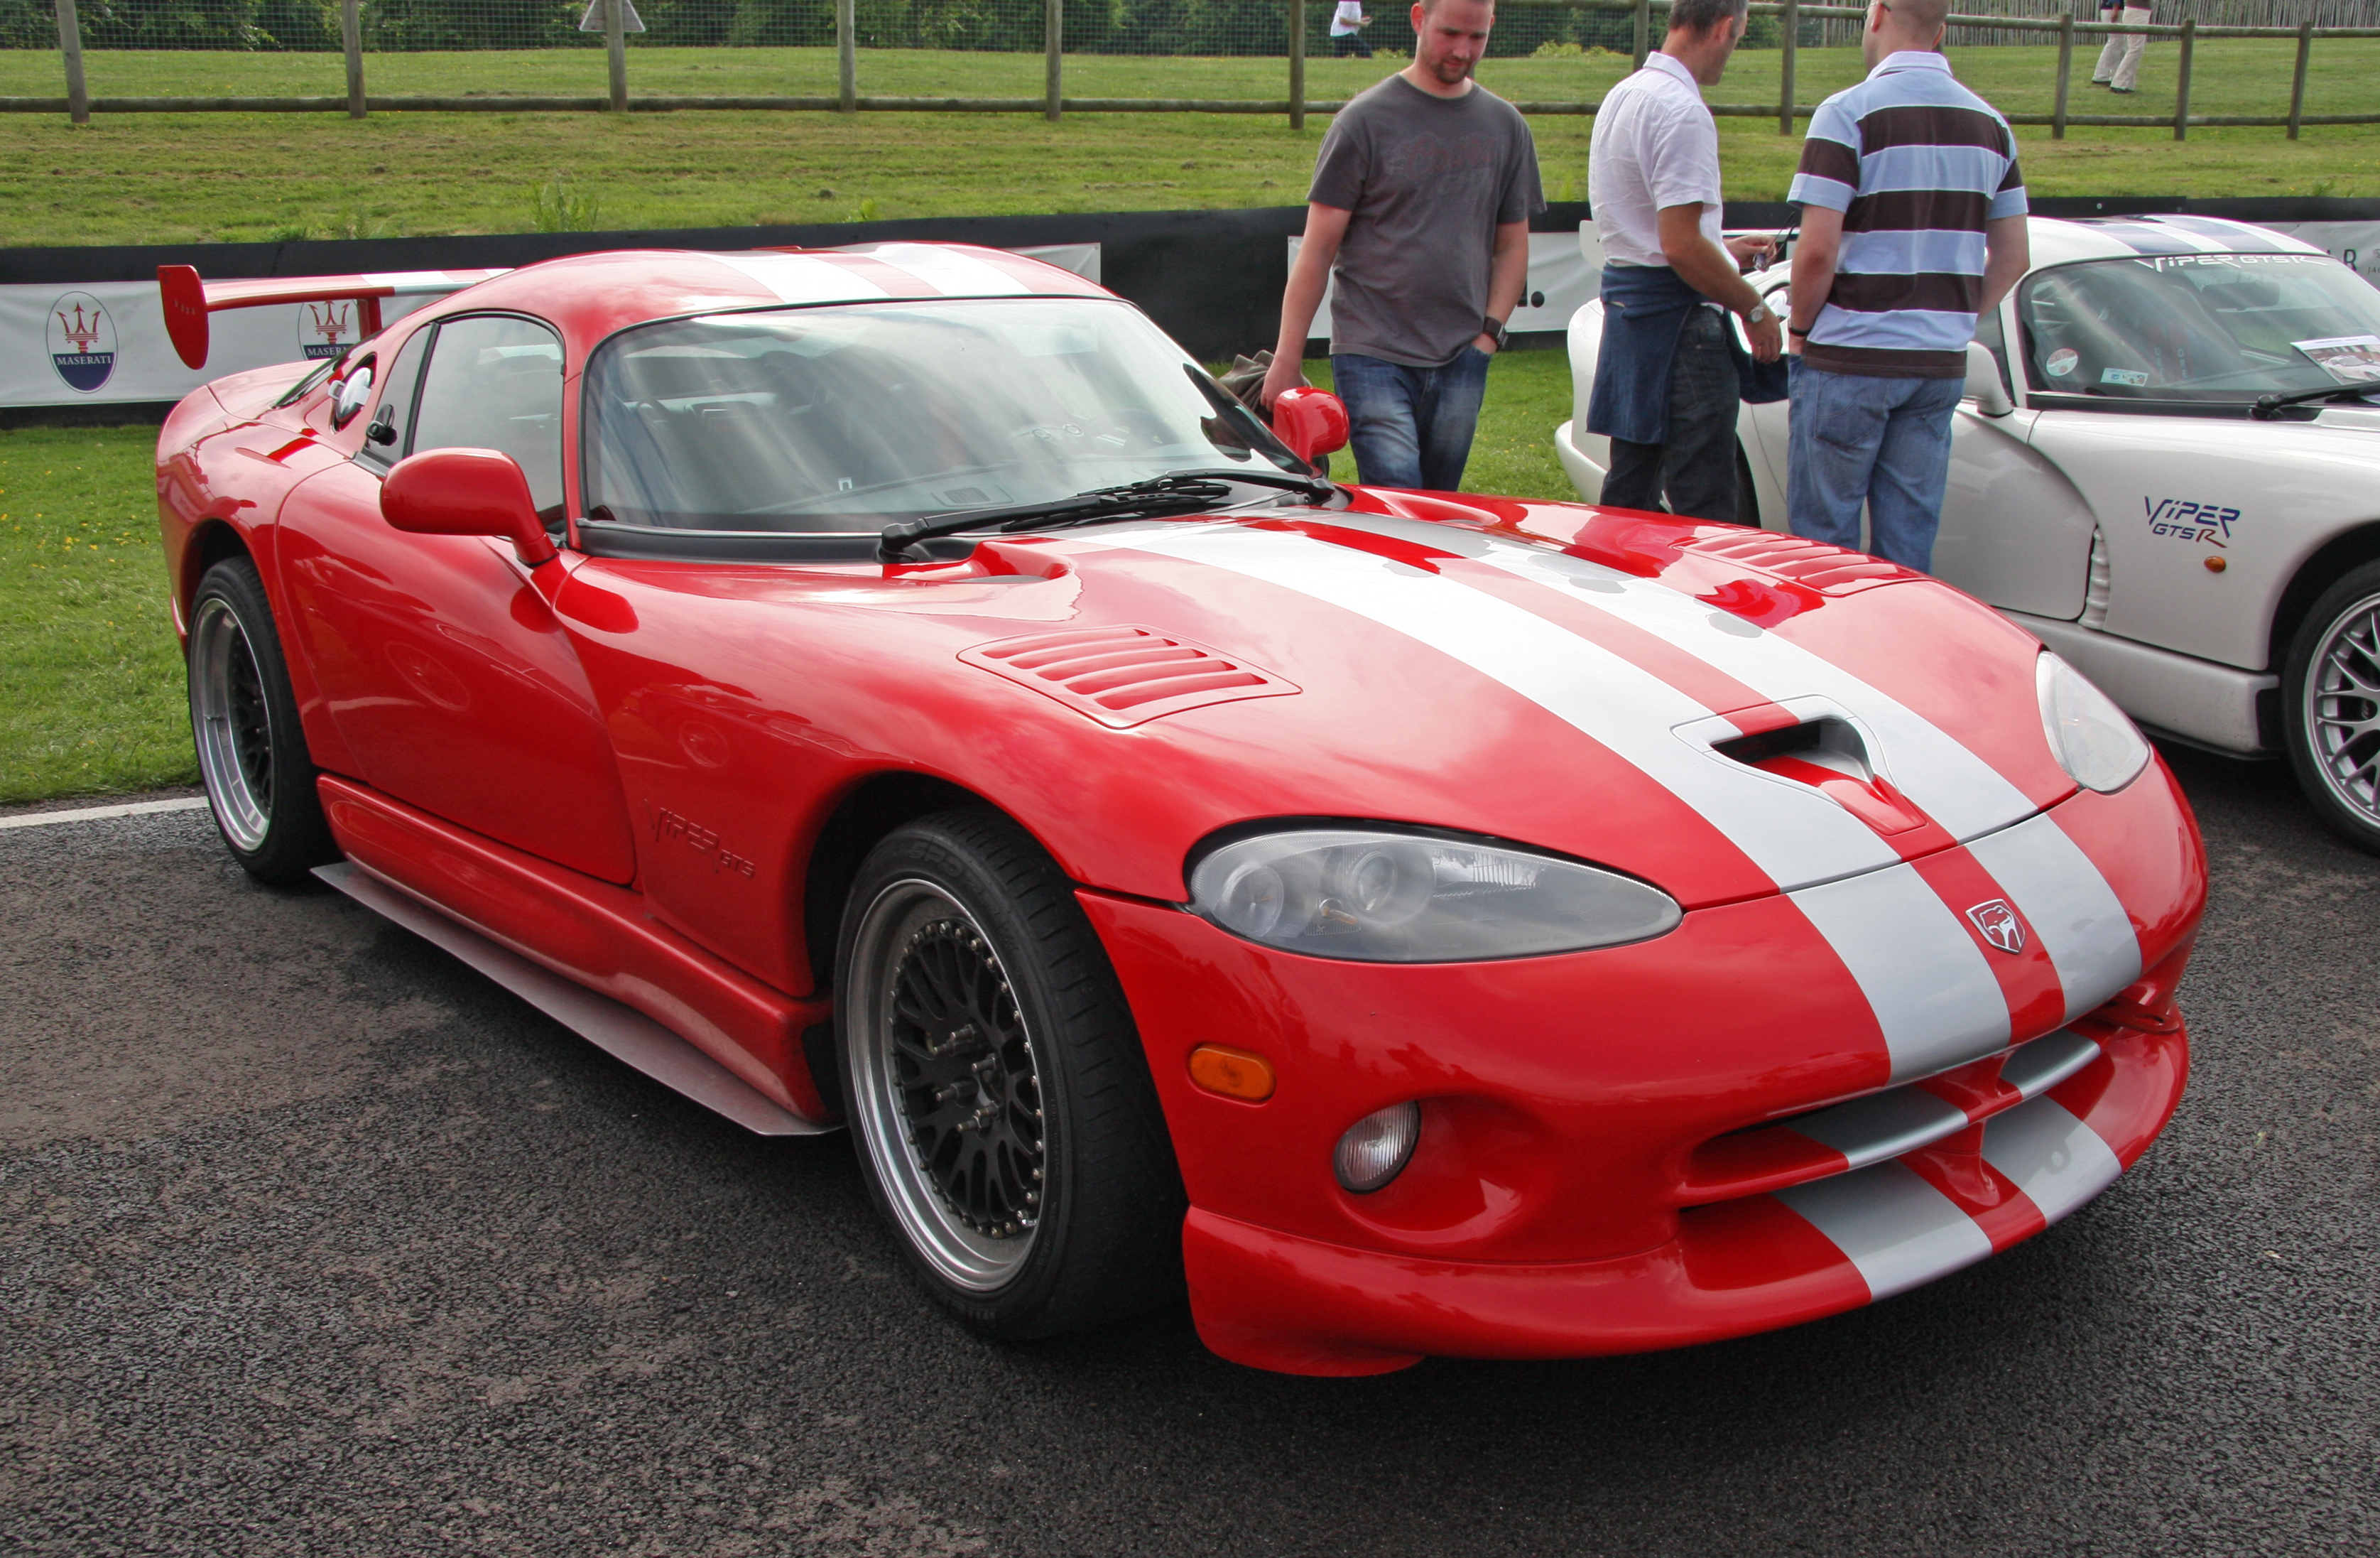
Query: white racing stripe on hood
x=1954 y=786
x=1924 y=977
x=2082 y=923
x=1797 y=837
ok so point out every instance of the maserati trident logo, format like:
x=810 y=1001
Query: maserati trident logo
x=81 y=341
x=1998 y=924
x=326 y=329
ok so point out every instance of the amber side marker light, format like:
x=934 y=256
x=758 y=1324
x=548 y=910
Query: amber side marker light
x=1232 y=1073
x=2215 y=565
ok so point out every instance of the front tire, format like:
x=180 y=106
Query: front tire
x=252 y=755
x=2330 y=703
x=996 y=1087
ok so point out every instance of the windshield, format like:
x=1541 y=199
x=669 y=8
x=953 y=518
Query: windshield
x=845 y=419
x=2209 y=327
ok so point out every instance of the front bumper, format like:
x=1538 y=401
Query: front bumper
x=1636 y=1146
x=1304 y=1306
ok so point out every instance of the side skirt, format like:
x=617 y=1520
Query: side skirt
x=620 y=1031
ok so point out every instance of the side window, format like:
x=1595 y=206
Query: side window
x=385 y=434
x=494 y=382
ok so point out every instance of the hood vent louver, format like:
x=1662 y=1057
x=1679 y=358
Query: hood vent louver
x=1124 y=676
x=1814 y=565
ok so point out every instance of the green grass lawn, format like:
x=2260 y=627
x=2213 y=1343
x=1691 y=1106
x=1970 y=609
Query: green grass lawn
x=135 y=179
x=91 y=699
x=90 y=684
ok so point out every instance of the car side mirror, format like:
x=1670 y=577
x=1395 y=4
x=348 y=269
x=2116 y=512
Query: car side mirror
x=1312 y=422
x=1984 y=385
x=466 y=493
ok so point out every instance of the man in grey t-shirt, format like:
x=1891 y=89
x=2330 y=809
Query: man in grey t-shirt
x=1420 y=210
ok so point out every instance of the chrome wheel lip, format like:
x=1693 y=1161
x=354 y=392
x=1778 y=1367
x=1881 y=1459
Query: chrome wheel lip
x=966 y=1260
x=216 y=637
x=2331 y=733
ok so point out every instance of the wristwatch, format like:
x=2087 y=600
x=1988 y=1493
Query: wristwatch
x=1759 y=314
x=1493 y=328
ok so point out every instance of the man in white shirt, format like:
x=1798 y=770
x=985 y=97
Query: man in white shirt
x=1669 y=377
x=1347 y=24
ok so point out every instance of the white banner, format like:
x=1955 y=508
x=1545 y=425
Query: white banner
x=2354 y=244
x=1560 y=283
x=105 y=341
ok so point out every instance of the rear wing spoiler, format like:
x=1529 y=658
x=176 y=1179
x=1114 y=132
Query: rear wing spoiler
x=188 y=300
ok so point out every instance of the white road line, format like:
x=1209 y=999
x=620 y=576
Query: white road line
x=98 y=813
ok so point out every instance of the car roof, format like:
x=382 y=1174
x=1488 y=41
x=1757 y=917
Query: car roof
x=2057 y=241
x=590 y=296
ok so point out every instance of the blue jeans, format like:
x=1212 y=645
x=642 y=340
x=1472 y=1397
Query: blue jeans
x=1885 y=442
x=1410 y=427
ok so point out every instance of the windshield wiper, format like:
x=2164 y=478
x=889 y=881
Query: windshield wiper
x=2269 y=406
x=1174 y=492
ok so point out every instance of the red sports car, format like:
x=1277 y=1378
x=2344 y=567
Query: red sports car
x=897 y=686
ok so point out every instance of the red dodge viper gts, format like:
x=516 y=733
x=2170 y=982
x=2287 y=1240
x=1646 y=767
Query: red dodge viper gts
x=896 y=687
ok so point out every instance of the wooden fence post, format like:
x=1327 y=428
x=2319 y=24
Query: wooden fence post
x=2297 y=87
x=70 y=46
x=1053 y=58
x=2182 y=84
x=1643 y=32
x=2065 y=74
x=616 y=49
x=351 y=39
x=1791 y=20
x=846 y=54
x=1297 y=64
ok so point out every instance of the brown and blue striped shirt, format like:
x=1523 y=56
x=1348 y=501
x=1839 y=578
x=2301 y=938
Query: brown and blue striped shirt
x=1916 y=163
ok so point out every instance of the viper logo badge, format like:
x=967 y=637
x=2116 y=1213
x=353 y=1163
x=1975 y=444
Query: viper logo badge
x=1998 y=925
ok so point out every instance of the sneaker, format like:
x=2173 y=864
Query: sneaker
x=2126 y=91
x=2101 y=82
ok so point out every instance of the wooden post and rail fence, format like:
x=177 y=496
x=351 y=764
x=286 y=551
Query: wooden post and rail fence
x=79 y=105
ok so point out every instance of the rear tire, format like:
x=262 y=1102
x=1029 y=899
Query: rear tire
x=2330 y=706
x=996 y=1087
x=252 y=754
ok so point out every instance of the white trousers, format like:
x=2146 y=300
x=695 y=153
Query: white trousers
x=2120 y=62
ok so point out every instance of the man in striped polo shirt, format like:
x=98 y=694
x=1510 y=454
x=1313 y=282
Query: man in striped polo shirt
x=1913 y=222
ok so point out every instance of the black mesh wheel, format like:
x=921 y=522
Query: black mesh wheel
x=995 y=1084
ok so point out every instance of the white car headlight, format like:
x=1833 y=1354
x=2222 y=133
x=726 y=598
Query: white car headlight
x=1385 y=896
x=2095 y=743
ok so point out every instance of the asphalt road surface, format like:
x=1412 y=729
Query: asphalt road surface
x=312 y=1241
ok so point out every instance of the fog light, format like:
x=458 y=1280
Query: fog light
x=1377 y=1147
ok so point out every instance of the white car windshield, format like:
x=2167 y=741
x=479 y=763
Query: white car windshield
x=2204 y=327
x=844 y=419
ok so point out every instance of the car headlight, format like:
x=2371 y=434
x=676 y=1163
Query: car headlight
x=1378 y=895
x=2096 y=744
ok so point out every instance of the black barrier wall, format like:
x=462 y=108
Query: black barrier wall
x=1211 y=279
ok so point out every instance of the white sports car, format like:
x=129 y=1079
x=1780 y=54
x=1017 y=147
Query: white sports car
x=2161 y=469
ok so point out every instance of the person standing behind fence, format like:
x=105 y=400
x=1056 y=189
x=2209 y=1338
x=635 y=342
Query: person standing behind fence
x=2119 y=63
x=1347 y=24
x=1423 y=192
x=1667 y=379
x=1912 y=222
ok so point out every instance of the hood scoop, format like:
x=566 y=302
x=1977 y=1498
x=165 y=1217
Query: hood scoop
x=1829 y=756
x=1124 y=676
